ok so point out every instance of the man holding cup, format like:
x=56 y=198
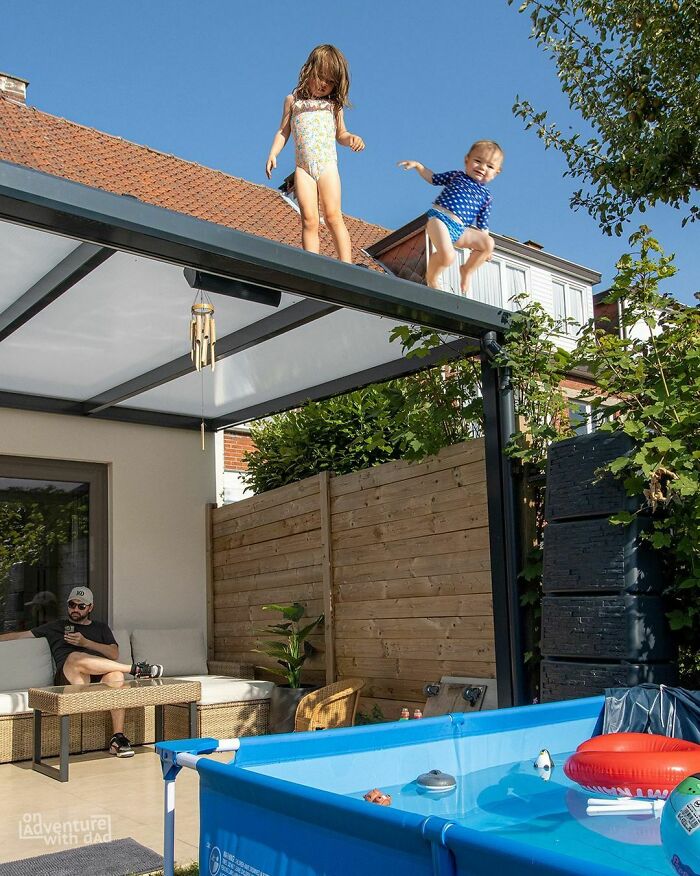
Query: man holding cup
x=86 y=651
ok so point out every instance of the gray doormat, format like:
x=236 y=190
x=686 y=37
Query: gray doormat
x=122 y=857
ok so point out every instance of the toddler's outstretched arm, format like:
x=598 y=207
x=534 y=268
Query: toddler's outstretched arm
x=424 y=171
x=345 y=138
x=281 y=136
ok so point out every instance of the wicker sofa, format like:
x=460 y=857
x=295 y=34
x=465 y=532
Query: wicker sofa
x=230 y=705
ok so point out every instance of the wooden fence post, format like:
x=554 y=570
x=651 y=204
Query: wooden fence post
x=327 y=571
x=209 y=523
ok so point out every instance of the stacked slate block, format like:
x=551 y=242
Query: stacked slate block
x=603 y=620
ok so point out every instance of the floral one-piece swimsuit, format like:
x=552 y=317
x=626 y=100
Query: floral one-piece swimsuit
x=313 y=123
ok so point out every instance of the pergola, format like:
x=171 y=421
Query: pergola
x=94 y=312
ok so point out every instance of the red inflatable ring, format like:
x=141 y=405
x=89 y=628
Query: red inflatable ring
x=632 y=764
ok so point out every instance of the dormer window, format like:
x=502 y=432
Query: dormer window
x=568 y=304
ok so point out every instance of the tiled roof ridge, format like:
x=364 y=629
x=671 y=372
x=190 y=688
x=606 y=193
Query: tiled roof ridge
x=171 y=155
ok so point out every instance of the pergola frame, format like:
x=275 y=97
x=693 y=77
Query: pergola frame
x=106 y=223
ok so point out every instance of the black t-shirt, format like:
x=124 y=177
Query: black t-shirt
x=54 y=631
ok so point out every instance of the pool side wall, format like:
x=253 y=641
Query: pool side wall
x=277 y=808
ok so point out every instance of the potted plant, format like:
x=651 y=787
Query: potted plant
x=290 y=649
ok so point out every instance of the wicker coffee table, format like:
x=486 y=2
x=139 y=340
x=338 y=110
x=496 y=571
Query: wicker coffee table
x=75 y=699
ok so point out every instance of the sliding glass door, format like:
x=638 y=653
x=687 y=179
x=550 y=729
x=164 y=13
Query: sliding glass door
x=53 y=537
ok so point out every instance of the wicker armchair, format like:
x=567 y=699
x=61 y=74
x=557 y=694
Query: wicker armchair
x=331 y=706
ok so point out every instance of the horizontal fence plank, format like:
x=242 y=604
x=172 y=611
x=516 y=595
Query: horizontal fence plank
x=400 y=470
x=256 y=519
x=429 y=484
x=270 y=564
x=478 y=604
x=283 y=545
x=423 y=627
x=250 y=641
x=431 y=585
x=281 y=579
x=270 y=531
x=429 y=524
x=410 y=506
x=415 y=567
x=255 y=613
x=420 y=546
x=413 y=670
x=418 y=649
x=269 y=499
x=293 y=593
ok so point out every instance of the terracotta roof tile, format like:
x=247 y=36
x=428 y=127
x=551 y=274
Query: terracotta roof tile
x=63 y=148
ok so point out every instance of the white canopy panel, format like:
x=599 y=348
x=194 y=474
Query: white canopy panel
x=126 y=317
x=25 y=256
x=312 y=354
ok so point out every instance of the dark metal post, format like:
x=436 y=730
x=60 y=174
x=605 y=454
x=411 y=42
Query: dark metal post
x=499 y=425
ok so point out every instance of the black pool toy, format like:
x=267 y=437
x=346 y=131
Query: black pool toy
x=436 y=781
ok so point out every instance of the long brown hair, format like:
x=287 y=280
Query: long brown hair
x=327 y=63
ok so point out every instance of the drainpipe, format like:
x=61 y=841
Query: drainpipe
x=504 y=533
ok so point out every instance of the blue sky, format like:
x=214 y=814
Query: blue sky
x=205 y=80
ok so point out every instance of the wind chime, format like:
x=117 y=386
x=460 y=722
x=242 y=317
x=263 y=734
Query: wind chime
x=202 y=339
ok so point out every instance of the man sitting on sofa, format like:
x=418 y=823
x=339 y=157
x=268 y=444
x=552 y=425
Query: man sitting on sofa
x=85 y=651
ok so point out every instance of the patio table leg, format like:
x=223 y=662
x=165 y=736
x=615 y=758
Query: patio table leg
x=60 y=774
x=159 y=723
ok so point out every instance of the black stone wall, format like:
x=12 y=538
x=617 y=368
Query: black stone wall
x=603 y=621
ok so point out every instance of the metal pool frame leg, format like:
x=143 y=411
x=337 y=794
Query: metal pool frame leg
x=60 y=774
x=172 y=759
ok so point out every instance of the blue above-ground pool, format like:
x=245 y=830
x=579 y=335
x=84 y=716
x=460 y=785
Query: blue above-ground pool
x=292 y=805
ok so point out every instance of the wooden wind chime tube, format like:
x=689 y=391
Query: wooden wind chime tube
x=202 y=342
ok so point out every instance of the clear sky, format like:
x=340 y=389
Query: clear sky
x=205 y=80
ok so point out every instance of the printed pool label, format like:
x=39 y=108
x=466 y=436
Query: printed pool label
x=689 y=816
x=227 y=864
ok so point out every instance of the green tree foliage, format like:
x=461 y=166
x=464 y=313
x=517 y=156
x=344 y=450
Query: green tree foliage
x=649 y=379
x=341 y=435
x=631 y=69
x=32 y=522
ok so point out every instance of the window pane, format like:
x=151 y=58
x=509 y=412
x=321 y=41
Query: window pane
x=575 y=309
x=486 y=284
x=580 y=418
x=515 y=282
x=559 y=303
x=43 y=549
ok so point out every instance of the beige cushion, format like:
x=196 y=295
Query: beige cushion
x=25 y=663
x=124 y=642
x=182 y=651
x=14 y=702
x=222 y=689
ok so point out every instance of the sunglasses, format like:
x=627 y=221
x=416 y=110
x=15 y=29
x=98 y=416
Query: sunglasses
x=79 y=605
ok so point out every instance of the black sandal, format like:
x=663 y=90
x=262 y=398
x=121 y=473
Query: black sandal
x=120 y=746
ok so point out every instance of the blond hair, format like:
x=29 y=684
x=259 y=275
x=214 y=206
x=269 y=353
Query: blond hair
x=489 y=144
x=327 y=63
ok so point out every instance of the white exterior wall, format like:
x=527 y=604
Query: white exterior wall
x=159 y=484
x=538 y=284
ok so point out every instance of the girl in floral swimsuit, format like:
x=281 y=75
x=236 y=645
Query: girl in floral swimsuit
x=313 y=113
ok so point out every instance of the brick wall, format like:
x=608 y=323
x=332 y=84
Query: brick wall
x=235 y=445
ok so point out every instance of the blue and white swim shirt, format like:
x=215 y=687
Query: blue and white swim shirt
x=465 y=197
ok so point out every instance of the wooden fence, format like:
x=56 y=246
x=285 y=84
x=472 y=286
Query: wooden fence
x=397 y=556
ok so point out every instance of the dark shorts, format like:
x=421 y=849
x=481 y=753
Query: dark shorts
x=60 y=679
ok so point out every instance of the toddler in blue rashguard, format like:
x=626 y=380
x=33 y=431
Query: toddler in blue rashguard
x=459 y=216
